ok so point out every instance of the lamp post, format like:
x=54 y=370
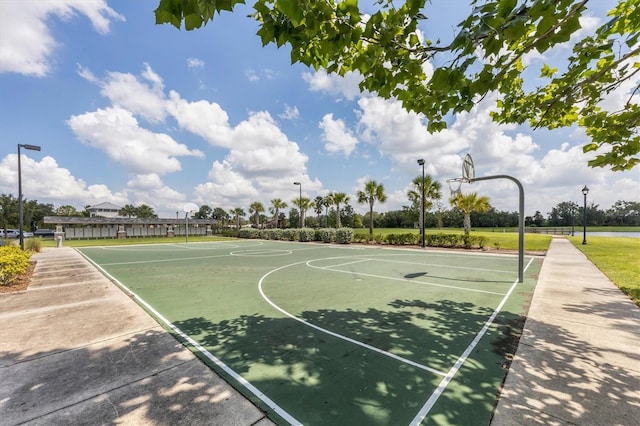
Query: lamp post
x=421 y=163
x=20 y=219
x=585 y=191
x=300 y=218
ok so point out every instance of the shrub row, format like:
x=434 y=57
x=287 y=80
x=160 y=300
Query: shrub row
x=13 y=263
x=327 y=235
x=430 y=240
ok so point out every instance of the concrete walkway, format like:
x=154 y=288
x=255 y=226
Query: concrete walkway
x=578 y=362
x=74 y=349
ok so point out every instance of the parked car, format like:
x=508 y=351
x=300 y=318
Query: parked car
x=44 y=233
x=27 y=234
x=11 y=233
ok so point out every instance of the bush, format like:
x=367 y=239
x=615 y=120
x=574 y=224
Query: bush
x=289 y=234
x=344 y=236
x=13 y=263
x=249 y=233
x=327 y=235
x=233 y=233
x=33 y=244
x=306 y=234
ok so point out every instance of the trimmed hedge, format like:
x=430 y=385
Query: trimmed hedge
x=306 y=234
x=326 y=235
x=344 y=235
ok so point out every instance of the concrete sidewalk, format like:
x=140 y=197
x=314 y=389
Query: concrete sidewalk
x=74 y=349
x=578 y=361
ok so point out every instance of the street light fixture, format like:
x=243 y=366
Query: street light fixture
x=20 y=219
x=585 y=191
x=421 y=163
x=300 y=217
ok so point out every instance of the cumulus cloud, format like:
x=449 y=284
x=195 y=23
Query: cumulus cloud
x=334 y=84
x=337 y=137
x=26 y=43
x=115 y=131
x=46 y=181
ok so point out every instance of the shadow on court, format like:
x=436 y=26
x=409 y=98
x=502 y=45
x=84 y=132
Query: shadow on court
x=320 y=379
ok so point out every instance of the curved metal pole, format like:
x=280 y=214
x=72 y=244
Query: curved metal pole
x=520 y=219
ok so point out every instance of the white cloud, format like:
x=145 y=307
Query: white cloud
x=46 y=181
x=195 y=63
x=126 y=91
x=337 y=136
x=116 y=132
x=26 y=43
x=333 y=84
x=150 y=190
x=290 y=113
x=205 y=119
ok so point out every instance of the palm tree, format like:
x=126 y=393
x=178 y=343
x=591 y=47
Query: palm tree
x=238 y=212
x=127 y=211
x=339 y=198
x=255 y=209
x=432 y=192
x=372 y=192
x=469 y=203
x=144 y=211
x=317 y=205
x=276 y=205
x=326 y=202
x=303 y=204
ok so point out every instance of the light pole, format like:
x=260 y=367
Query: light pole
x=421 y=163
x=300 y=218
x=20 y=219
x=585 y=191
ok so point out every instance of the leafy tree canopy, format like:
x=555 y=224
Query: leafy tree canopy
x=485 y=55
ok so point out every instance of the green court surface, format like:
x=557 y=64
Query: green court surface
x=321 y=334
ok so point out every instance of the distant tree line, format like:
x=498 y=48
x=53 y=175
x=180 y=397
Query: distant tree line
x=335 y=210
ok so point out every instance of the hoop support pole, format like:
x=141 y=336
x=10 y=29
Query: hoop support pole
x=520 y=219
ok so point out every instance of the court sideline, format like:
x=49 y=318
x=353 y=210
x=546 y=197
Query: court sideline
x=80 y=351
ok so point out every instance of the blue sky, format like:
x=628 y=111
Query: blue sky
x=129 y=112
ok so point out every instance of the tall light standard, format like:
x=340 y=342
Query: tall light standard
x=300 y=218
x=585 y=191
x=421 y=163
x=20 y=219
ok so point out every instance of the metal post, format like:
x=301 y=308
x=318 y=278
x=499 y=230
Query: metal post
x=421 y=163
x=520 y=220
x=585 y=191
x=20 y=218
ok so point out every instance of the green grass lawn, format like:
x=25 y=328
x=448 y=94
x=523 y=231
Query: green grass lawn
x=617 y=258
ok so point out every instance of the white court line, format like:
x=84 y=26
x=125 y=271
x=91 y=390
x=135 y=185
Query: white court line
x=461 y=360
x=255 y=391
x=344 y=264
x=406 y=280
x=339 y=336
x=447 y=266
x=136 y=262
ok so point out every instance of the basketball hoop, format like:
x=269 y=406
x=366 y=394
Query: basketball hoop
x=468 y=173
x=455 y=186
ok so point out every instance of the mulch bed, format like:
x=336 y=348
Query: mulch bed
x=21 y=283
